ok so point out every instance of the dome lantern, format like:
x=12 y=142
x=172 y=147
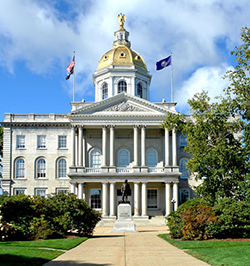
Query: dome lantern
x=121 y=36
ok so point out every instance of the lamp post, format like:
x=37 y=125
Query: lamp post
x=173 y=201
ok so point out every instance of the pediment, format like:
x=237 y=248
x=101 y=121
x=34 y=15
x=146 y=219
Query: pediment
x=120 y=105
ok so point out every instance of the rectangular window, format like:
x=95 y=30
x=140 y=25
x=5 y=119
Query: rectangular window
x=41 y=192
x=183 y=141
x=59 y=190
x=184 y=195
x=19 y=191
x=152 y=199
x=62 y=142
x=20 y=142
x=41 y=142
x=95 y=198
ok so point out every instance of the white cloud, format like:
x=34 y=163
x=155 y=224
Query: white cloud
x=203 y=79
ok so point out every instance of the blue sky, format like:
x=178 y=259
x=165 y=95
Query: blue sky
x=37 y=38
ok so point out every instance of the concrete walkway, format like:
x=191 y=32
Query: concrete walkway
x=126 y=249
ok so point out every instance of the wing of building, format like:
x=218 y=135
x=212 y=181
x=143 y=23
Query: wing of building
x=91 y=150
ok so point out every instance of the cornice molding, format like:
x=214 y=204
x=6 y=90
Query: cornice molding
x=36 y=124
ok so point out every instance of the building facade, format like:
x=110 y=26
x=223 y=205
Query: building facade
x=91 y=150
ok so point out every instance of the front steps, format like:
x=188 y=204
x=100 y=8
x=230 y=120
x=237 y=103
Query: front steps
x=152 y=221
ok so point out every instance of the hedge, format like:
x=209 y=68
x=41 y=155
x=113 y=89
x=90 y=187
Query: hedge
x=48 y=217
x=196 y=220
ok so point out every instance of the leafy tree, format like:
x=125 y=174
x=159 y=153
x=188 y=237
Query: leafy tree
x=220 y=156
x=239 y=90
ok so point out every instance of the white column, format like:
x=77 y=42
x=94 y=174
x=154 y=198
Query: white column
x=144 y=199
x=166 y=147
x=112 y=138
x=175 y=195
x=84 y=191
x=136 y=200
x=104 y=199
x=73 y=188
x=76 y=189
x=104 y=145
x=143 y=146
x=80 y=147
x=80 y=191
x=135 y=145
x=167 y=198
x=73 y=145
x=84 y=149
x=112 y=199
x=174 y=146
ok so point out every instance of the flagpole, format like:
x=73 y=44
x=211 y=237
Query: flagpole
x=74 y=78
x=172 y=91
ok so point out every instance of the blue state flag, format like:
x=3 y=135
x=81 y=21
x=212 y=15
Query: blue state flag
x=163 y=63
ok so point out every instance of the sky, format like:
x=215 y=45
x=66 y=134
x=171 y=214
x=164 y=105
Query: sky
x=38 y=37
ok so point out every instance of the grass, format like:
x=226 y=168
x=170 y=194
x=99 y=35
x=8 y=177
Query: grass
x=215 y=252
x=35 y=253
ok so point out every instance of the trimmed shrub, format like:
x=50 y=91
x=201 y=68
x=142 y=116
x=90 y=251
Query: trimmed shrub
x=229 y=218
x=197 y=221
x=175 y=221
x=17 y=210
x=67 y=213
x=47 y=217
x=42 y=229
x=234 y=219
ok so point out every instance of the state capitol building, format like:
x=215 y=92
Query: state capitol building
x=91 y=150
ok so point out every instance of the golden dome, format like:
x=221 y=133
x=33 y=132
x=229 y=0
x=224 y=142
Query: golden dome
x=122 y=56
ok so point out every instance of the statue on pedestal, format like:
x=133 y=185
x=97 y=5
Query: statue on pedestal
x=125 y=189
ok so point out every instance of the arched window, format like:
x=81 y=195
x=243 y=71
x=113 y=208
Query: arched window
x=95 y=159
x=41 y=168
x=183 y=168
x=139 y=90
x=151 y=158
x=20 y=168
x=62 y=168
x=104 y=91
x=123 y=158
x=122 y=86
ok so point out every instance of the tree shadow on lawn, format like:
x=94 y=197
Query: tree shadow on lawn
x=14 y=260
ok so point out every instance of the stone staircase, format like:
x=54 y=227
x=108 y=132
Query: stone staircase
x=152 y=221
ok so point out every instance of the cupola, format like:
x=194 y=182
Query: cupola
x=121 y=69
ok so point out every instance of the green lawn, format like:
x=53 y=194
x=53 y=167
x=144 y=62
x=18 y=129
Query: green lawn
x=34 y=253
x=216 y=253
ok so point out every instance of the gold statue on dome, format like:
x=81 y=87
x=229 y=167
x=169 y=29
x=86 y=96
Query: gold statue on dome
x=121 y=20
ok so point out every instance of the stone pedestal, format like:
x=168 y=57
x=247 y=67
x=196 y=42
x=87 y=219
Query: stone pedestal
x=124 y=222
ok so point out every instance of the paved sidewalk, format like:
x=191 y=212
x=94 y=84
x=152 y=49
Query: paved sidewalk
x=126 y=249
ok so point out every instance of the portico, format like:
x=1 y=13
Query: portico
x=136 y=138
